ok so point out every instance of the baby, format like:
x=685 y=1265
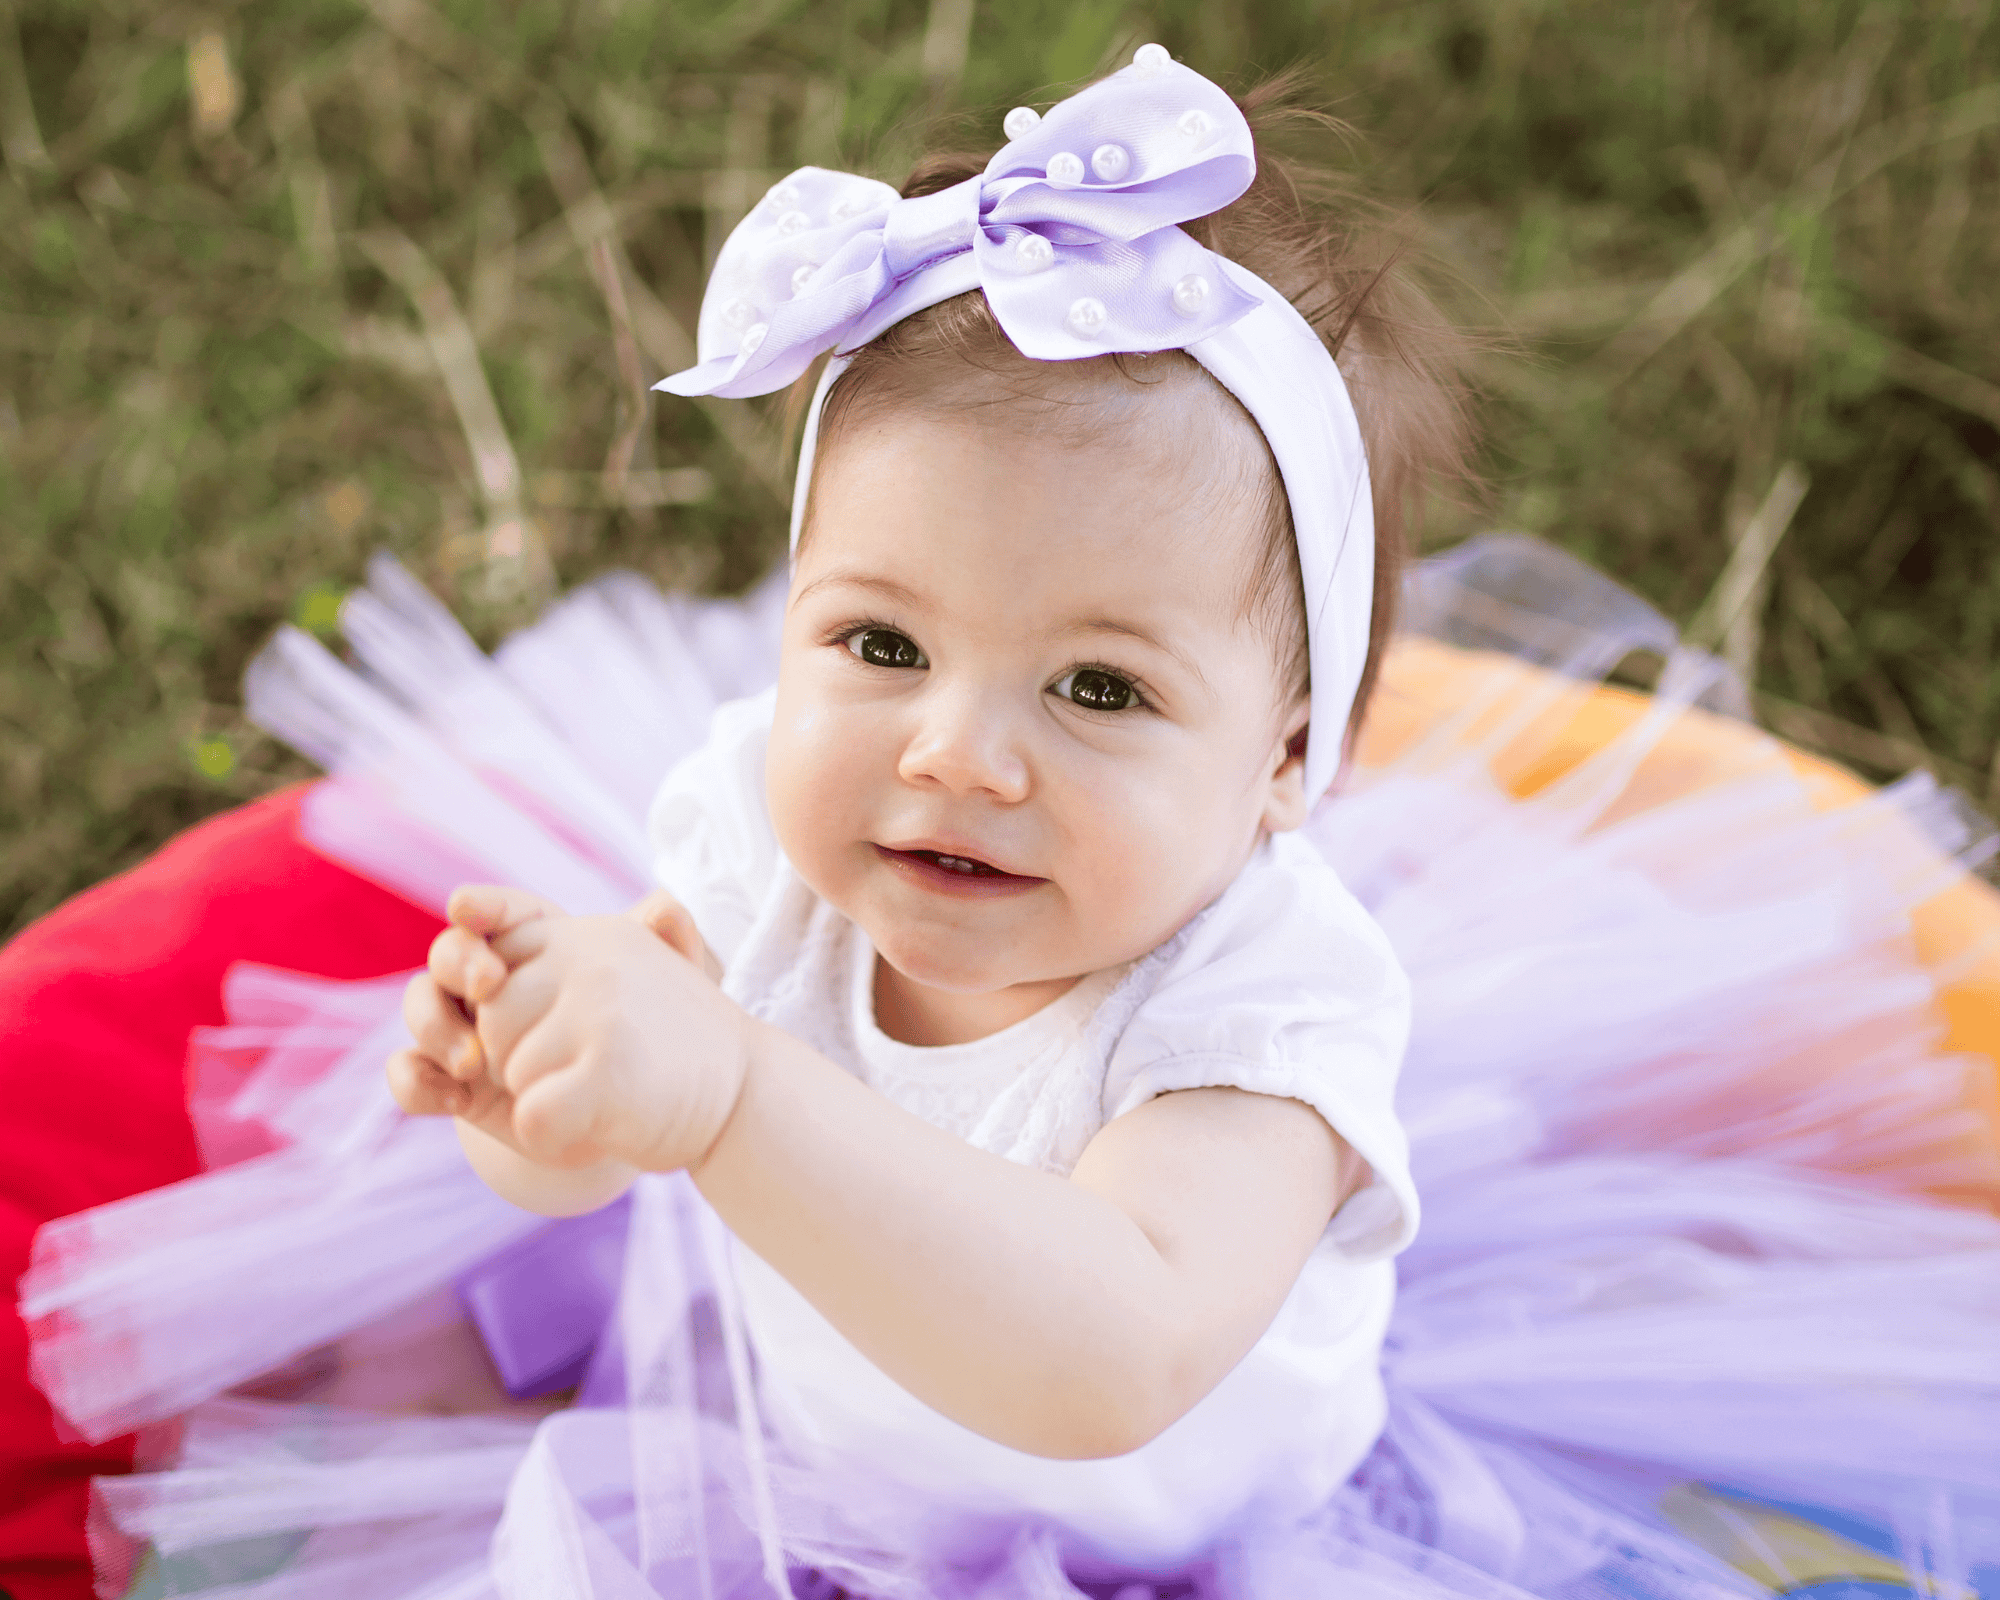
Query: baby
x=1044 y=1076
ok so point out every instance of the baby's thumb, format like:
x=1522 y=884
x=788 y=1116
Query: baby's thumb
x=668 y=920
x=490 y=910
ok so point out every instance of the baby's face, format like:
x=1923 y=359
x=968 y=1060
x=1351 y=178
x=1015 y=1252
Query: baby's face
x=1023 y=731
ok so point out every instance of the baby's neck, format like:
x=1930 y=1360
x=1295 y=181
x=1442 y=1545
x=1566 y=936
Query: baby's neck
x=912 y=1013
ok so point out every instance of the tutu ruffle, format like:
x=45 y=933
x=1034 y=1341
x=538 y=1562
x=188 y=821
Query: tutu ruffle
x=1691 y=1313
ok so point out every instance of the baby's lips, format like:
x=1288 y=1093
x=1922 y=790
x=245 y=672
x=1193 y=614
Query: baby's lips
x=958 y=850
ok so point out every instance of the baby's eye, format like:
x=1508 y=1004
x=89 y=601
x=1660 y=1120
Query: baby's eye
x=1097 y=690
x=883 y=647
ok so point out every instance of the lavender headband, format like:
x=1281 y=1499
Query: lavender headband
x=1072 y=233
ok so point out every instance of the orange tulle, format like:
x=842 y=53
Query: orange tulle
x=1957 y=931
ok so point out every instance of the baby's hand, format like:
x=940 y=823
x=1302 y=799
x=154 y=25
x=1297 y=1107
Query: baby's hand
x=445 y=1075
x=573 y=1039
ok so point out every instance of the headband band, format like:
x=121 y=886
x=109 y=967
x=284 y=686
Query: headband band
x=1075 y=262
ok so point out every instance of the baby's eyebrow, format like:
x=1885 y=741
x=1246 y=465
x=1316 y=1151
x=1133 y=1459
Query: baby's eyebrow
x=888 y=588
x=1130 y=630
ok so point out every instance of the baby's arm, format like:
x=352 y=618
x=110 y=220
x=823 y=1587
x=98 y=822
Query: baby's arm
x=1071 y=1318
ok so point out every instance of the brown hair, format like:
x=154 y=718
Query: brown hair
x=1341 y=260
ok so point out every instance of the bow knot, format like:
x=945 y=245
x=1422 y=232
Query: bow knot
x=919 y=231
x=1071 y=231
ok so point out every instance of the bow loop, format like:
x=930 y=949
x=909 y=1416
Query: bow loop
x=1071 y=231
x=1142 y=150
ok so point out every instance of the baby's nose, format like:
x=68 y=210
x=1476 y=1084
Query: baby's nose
x=965 y=741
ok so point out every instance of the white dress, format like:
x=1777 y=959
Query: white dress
x=1240 y=997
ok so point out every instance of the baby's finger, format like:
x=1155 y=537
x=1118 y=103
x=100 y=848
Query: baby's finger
x=556 y=1119
x=668 y=920
x=673 y=924
x=423 y=1088
x=492 y=1113
x=465 y=965
x=441 y=1028
x=548 y=1045
x=505 y=1018
x=487 y=909
x=520 y=944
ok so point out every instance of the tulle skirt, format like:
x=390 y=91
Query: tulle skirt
x=1706 y=1301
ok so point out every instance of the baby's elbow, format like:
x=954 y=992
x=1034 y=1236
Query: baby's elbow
x=1127 y=1407
x=1101 y=1438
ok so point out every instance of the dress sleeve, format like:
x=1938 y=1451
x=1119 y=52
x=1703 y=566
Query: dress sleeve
x=710 y=826
x=1285 y=986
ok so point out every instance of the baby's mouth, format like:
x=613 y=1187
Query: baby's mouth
x=947 y=870
x=960 y=864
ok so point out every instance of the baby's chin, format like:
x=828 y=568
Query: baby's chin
x=972 y=971
x=972 y=965
x=986 y=950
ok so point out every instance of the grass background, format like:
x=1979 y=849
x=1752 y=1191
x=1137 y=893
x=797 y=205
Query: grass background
x=285 y=283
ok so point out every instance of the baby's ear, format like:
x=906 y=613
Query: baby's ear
x=1285 y=805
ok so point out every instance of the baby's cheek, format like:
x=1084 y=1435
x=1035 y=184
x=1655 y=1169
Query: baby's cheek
x=1130 y=867
x=790 y=779
x=816 y=784
x=1181 y=850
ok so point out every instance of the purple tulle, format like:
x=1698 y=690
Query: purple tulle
x=1683 y=1319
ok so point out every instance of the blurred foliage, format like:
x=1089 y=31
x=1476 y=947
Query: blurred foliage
x=285 y=283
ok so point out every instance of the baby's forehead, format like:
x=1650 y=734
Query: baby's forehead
x=1162 y=414
x=1086 y=486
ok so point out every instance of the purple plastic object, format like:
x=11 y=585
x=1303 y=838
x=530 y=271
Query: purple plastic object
x=542 y=1305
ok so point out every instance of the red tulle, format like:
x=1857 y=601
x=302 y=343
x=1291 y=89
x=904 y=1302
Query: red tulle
x=96 y=1003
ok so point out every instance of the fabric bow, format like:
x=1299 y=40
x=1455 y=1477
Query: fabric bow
x=1070 y=231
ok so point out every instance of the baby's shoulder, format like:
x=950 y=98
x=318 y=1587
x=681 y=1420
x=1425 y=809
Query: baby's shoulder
x=1283 y=986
